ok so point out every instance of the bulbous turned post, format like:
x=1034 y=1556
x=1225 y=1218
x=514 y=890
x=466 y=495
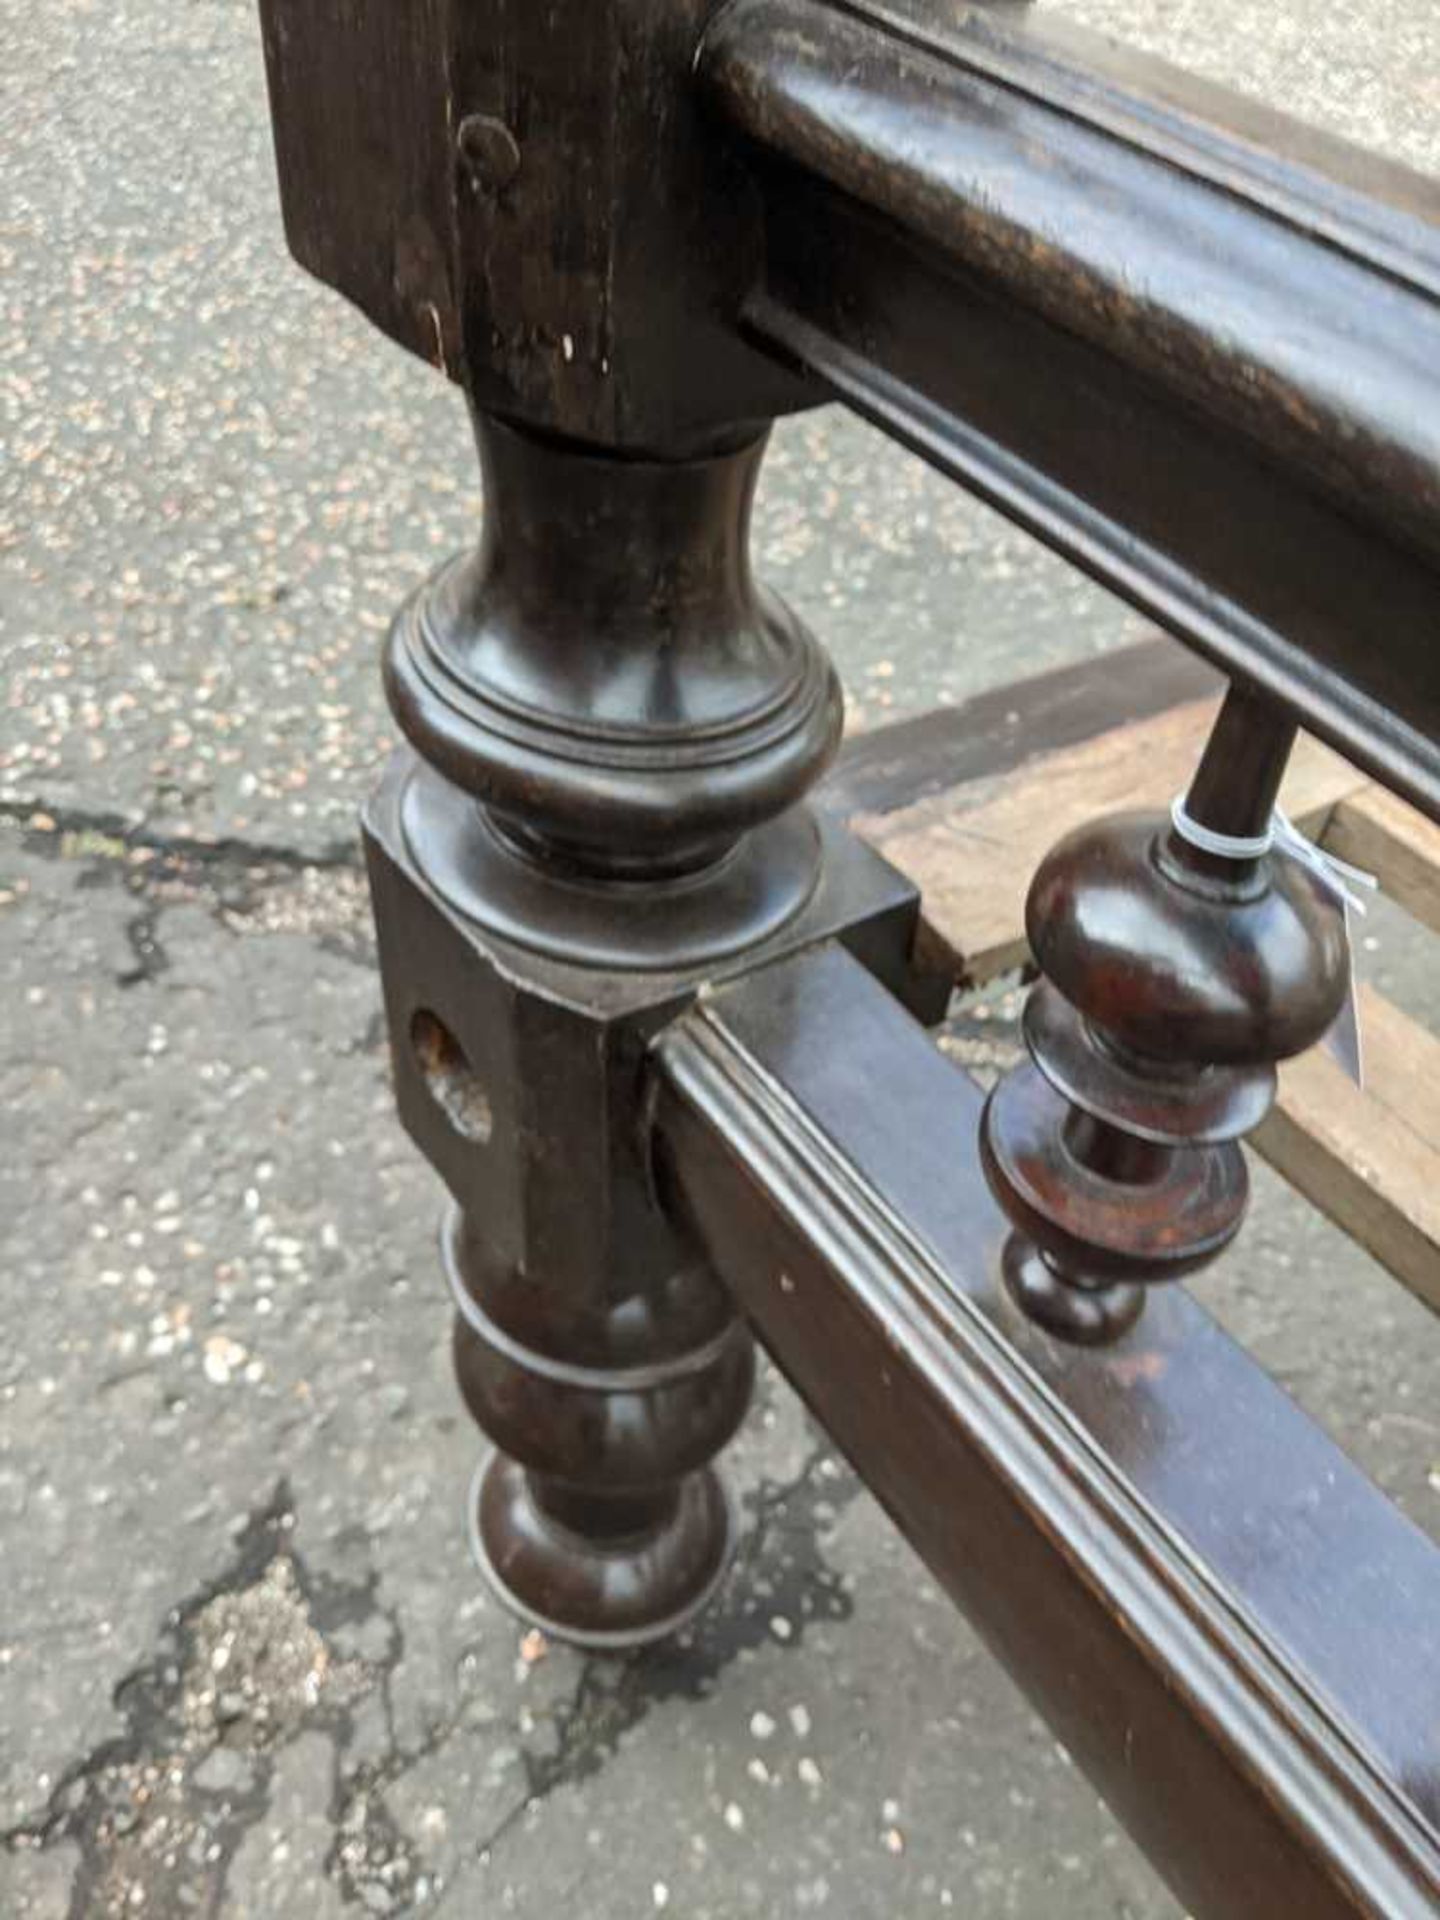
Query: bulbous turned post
x=1176 y=975
x=598 y=1513
x=614 y=720
x=611 y=729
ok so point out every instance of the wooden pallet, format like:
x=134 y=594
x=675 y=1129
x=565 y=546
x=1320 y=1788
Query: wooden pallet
x=966 y=800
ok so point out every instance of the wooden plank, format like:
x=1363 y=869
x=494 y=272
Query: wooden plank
x=972 y=850
x=1374 y=829
x=893 y=766
x=1369 y=1160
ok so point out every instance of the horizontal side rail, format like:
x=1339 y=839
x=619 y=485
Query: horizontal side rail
x=1192 y=346
x=1231 y=1629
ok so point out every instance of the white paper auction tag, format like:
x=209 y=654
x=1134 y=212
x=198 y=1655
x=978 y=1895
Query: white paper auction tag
x=1342 y=1042
x=1346 y=885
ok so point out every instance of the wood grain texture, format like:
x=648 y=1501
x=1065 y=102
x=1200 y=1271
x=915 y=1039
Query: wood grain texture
x=586 y=277
x=972 y=850
x=361 y=109
x=1002 y=728
x=1375 y=830
x=1369 y=1160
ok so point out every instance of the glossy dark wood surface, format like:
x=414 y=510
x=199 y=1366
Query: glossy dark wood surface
x=1175 y=975
x=1110 y=313
x=1232 y=1631
x=529 y=198
x=1102 y=294
x=599 y=812
x=1195 y=350
x=636 y=722
x=892 y=766
x=605 y=1419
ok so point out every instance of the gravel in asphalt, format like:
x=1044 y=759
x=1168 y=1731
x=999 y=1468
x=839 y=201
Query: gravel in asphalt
x=245 y=1666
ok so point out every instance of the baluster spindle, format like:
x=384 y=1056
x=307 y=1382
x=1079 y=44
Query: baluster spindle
x=1182 y=958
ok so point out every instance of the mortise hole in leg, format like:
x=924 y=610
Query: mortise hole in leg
x=453 y=1083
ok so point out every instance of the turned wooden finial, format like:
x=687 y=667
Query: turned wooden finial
x=1182 y=957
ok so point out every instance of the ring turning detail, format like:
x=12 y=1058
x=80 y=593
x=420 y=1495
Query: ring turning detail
x=651 y=1002
x=1175 y=976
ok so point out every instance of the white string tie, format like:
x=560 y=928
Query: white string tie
x=1338 y=877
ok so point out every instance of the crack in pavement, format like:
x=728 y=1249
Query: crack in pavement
x=780 y=1583
x=243 y=1668
x=46 y=826
x=246 y=885
x=165 y=1806
x=120 y=1795
x=255 y=1659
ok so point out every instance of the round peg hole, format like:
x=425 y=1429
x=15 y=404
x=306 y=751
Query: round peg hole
x=453 y=1083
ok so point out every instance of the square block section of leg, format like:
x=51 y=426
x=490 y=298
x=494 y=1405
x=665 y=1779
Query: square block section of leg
x=520 y=1077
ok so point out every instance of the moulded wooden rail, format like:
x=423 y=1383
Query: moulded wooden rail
x=1193 y=347
x=1230 y=1628
x=1184 y=340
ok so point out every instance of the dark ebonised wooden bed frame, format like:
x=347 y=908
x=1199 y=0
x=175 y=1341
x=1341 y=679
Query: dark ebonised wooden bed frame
x=658 y=1018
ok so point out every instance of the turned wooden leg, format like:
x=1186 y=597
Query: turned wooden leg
x=609 y=732
x=598 y=1514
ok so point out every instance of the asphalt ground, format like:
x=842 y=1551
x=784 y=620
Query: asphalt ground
x=245 y=1666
